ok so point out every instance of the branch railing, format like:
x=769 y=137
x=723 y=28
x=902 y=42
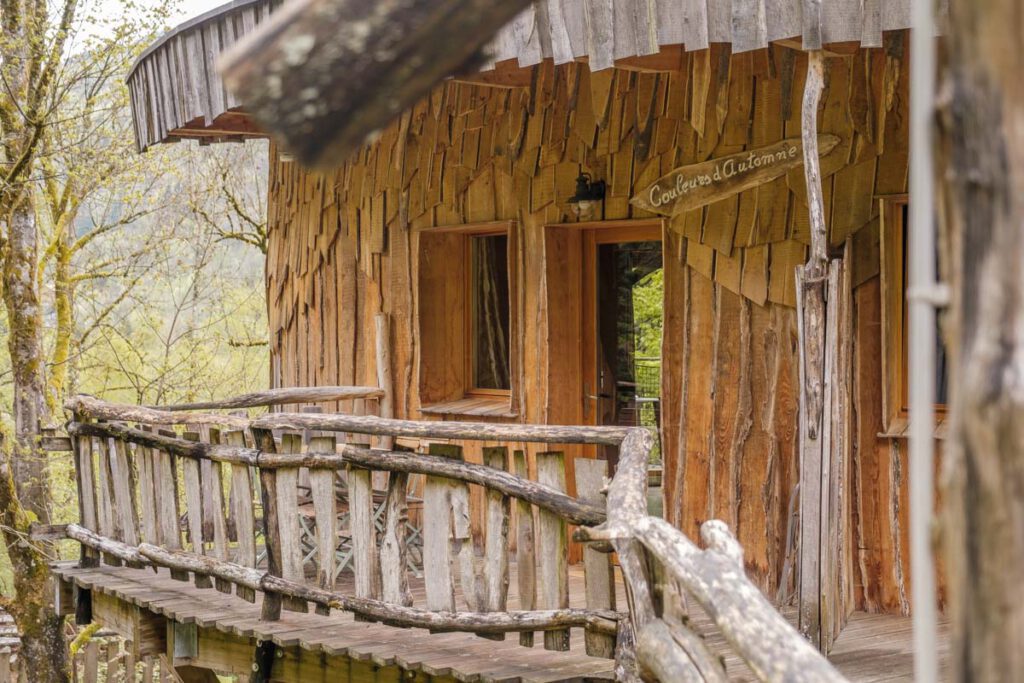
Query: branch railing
x=137 y=479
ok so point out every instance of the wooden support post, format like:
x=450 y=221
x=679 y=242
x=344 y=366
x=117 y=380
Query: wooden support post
x=598 y=573
x=496 y=575
x=437 y=526
x=824 y=422
x=86 y=493
x=168 y=513
x=243 y=514
x=194 y=507
x=553 y=550
x=263 y=439
x=321 y=483
x=525 y=556
x=393 y=545
x=288 y=521
x=384 y=378
x=213 y=485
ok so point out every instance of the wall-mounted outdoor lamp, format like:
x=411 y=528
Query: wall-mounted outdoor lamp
x=589 y=193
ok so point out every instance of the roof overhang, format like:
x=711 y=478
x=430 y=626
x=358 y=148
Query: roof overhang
x=178 y=93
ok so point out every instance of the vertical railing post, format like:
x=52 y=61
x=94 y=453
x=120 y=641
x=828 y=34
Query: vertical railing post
x=86 y=492
x=264 y=442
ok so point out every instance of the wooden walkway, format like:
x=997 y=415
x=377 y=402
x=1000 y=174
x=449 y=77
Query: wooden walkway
x=871 y=648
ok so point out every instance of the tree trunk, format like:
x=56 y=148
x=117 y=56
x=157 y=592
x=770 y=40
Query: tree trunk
x=24 y=344
x=982 y=168
x=23 y=471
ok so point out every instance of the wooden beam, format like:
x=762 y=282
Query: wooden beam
x=326 y=75
x=505 y=74
x=843 y=49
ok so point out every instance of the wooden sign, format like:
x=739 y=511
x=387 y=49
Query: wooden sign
x=695 y=185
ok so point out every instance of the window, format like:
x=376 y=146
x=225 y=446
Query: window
x=466 y=290
x=489 y=313
x=895 y=358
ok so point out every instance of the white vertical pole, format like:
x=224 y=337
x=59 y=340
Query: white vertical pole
x=922 y=340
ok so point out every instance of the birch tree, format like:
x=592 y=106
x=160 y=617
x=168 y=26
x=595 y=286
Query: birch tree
x=48 y=52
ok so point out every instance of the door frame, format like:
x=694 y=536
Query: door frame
x=593 y=237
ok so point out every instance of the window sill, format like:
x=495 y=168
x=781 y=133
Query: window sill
x=473 y=406
x=899 y=428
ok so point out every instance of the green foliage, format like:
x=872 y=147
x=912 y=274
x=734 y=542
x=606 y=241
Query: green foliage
x=648 y=315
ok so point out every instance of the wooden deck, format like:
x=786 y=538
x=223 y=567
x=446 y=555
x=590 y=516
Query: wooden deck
x=313 y=647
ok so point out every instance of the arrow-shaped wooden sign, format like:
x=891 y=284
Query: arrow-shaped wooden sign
x=688 y=187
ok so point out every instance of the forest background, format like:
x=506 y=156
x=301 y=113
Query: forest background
x=148 y=267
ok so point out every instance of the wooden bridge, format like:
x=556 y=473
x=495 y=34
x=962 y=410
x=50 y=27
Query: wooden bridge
x=194 y=546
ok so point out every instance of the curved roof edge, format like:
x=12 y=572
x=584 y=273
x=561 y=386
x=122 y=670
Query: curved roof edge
x=177 y=92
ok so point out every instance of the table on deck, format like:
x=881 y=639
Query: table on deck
x=873 y=647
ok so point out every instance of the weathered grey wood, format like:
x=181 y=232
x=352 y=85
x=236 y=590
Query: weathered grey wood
x=674 y=653
x=108 y=519
x=714 y=577
x=468 y=431
x=436 y=532
x=365 y=560
x=552 y=549
x=393 y=544
x=382 y=328
x=108 y=546
x=496 y=544
x=98 y=409
x=124 y=501
x=166 y=440
x=264 y=441
x=213 y=503
x=288 y=520
x=525 y=549
x=811 y=324
x=414 y=463
x=87 y=504
x=165 y=479
x=194 y=508
x=599 y=578
x=470 y=565
x=277 y=397
x=321 y=484
x=376 y=610
x=392 y=461
x=242 y=513
x=147 y=494
x=349 y=109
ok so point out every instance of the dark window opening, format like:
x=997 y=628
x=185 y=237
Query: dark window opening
x=489 y=313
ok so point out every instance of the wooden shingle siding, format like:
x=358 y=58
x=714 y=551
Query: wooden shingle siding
x=345 y=245
x=179 y=83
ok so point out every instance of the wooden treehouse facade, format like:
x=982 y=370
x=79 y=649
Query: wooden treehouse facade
x=473 y=279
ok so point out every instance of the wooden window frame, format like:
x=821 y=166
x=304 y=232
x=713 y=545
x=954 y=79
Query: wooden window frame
x=455 y=399
x=487 y=230
x=895 y=358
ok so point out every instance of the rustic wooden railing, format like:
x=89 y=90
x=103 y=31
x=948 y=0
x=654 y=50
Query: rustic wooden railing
x=137 y=484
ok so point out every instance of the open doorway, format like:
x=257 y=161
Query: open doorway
x=622 y=328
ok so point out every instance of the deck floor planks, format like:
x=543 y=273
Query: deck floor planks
x=872 y=648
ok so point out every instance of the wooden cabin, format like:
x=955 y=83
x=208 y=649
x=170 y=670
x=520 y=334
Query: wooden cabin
x=499 y=232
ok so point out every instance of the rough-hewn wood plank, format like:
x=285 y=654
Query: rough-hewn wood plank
x=325 y=508
x=242 y=512
x=600 y=584
x=552 y=549
x=290 y=530
x=496 y=543
x=437 y=529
